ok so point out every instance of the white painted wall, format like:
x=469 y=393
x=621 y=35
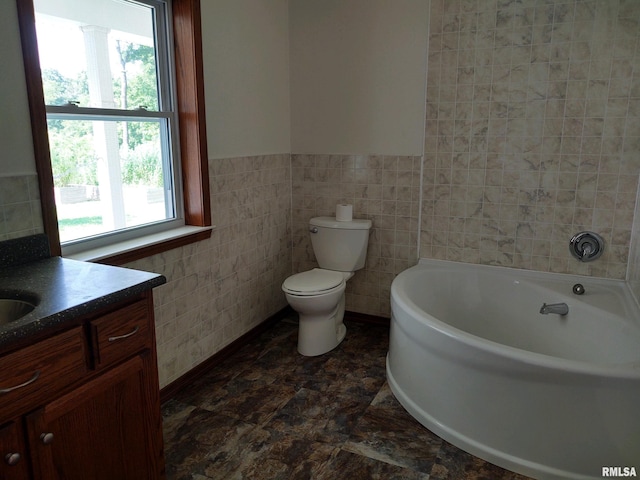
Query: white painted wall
x=357 y=79
x=16 y=144
x=246 y=74
x=358 y=72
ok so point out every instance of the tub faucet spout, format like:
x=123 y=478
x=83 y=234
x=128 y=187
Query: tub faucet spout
x=559 y=308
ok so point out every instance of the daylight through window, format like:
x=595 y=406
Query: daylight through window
x=110 y=114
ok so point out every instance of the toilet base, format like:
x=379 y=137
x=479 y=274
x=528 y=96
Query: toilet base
x=342 y=332
x=321 y=327
x=319 y=334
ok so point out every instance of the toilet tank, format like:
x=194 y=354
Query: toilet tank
x=340 y=246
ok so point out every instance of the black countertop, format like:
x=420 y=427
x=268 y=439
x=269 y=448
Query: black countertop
x=65 y=289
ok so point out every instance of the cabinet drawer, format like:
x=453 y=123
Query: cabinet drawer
x=120 y=334
x=35 y=373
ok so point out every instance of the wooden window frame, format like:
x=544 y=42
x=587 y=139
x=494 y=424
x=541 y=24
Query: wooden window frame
x=191 y=117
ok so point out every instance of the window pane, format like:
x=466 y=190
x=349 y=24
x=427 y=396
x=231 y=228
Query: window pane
x=103 y=184
x=99 y=53
x=113 y=171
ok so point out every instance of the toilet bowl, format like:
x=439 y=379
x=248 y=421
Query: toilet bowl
x=318 y=297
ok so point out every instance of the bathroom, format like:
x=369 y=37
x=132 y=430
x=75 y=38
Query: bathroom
x=483 y=132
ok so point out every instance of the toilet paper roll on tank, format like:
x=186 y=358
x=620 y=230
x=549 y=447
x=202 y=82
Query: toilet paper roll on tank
x=344 y=212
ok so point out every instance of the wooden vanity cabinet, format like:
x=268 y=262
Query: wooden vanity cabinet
x=105 y=425
x=14 y=465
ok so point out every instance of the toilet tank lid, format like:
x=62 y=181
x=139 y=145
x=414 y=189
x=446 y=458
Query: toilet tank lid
x=331 y=222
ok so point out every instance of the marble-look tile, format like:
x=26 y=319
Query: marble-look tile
x=557 y=91
x=174 y=415
x=20 y=214
x=314 y=414
x=250 y=400
x=269 y=413
x=379 y=187
x=264 y=455
x=353 y=466
x=388 y=433
x=453 y=463
x=224 y=286
x=203 y=440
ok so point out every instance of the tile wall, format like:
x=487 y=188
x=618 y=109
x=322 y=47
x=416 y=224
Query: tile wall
x=220 y=288
x=532 y=132
x=633 y=268
x=383 y=188
x=20 y=211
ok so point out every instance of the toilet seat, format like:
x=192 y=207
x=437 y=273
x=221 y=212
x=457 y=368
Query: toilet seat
x=313 y=282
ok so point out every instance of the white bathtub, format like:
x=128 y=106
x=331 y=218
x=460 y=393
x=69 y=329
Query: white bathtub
x=549 y=396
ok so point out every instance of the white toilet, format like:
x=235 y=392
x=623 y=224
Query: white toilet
x=318 y=294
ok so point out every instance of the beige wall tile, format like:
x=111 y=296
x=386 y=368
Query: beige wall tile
x=381 y=188
x=558 y=147
x=221 y=288
x=20 y=211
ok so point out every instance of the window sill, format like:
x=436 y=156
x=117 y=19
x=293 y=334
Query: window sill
x=136 y=249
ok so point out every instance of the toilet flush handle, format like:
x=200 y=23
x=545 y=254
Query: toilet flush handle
x=314 y=230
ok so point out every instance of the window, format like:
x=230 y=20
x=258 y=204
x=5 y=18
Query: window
x=110 y=116
x=110 y=161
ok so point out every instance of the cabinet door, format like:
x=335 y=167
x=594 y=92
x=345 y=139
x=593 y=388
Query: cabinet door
x=14 y=464
x=106 y=429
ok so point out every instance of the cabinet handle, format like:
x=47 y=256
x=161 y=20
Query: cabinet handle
x=46 y=438
x=12 y=458
x=28 y=382
x=126 y=335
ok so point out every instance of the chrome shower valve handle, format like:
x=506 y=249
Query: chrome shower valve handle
x=586 y=246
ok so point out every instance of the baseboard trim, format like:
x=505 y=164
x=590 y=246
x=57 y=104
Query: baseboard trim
x=169 y=391
x=366 y=318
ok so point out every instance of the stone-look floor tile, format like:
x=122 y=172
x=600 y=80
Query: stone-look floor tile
x=174 y=415
x=358 y=467
x=455 y=464
x=283 y=333
x=280 y=348
x=323 y=416
x=388 y=433
x=365 y=341
x=235 y=389
x=307 y=415
x=340 y=364
x=268 y=412
x=299 y=371
x=268 y=455
x=334 y=369
x=253 y=402
x=363 y=383
x=204 y=438
x=211 y=386
x=276 y=344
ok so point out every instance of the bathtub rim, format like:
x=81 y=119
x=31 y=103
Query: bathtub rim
x=401 y=301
